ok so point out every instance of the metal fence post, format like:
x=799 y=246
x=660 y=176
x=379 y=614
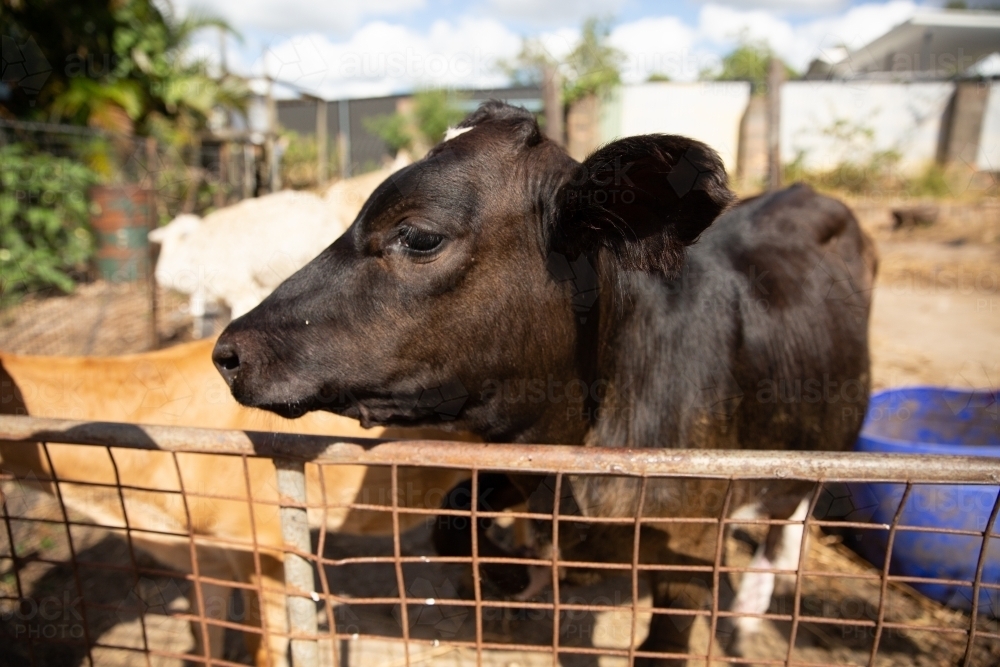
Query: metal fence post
x=344 y=137
x=322 y=144
x=299 y=582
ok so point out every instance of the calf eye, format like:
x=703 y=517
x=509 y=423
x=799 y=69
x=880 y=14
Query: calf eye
x=418 y=241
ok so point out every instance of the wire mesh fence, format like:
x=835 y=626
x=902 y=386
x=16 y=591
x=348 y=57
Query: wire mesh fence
x=144 y=545
x=211 y=172
x=120 y=188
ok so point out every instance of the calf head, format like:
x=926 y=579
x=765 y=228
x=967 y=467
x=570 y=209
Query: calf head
x=452 y=281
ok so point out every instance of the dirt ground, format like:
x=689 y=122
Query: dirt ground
x=99 y=318
x=936 y=308
x=936 y=320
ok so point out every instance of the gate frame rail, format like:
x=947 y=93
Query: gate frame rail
x=568 y=459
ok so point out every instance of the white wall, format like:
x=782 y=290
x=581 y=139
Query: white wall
x=988 y=158
x=905 y=117
x=709 y=111
x=829 y=122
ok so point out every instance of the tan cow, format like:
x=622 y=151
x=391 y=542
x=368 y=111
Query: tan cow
x=179 y=386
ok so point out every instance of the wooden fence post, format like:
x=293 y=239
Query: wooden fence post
x=775 y=77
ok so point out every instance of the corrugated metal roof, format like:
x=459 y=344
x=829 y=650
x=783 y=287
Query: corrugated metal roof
x=931 y=45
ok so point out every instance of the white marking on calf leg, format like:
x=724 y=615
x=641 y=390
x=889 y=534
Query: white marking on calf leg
x=754 y=594
x=789 y=549
x=756 y=588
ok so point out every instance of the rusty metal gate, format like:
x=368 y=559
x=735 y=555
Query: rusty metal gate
x=316 y=560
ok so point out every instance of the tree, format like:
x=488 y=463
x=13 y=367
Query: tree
x=119 y=66
x=748 y=62
x=594 y=66
x=990 y=6
x=529 y=66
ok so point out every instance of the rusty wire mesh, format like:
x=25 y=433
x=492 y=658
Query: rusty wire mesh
x=96 y=569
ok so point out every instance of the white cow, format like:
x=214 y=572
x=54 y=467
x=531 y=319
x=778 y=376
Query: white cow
x=237 y=255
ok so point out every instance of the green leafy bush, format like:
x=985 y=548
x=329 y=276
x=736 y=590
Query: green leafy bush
x=863 y=169
x=433 y=112
x=392 y=129
x=299 y=160
x=933 y=181
x=45 y=235
x=878 y=172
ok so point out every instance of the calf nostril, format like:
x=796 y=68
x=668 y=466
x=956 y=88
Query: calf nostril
x=230 y=362
x=227 y=360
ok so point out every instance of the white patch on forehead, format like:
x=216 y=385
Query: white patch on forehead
x=454 y=132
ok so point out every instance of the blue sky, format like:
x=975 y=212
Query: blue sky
x=378 y=47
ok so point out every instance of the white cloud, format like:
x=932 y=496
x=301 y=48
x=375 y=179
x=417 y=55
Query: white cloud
x=559 y=43
x=723 y=27
x=290 y=16
x=384 y=58
x=553 y=12
x=856 y=27
x=662 y=45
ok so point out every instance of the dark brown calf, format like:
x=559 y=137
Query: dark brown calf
x=500 y=287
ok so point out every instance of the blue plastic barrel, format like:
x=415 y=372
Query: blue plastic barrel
x=933 y=420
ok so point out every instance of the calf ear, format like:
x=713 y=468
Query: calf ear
x=643 y=199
